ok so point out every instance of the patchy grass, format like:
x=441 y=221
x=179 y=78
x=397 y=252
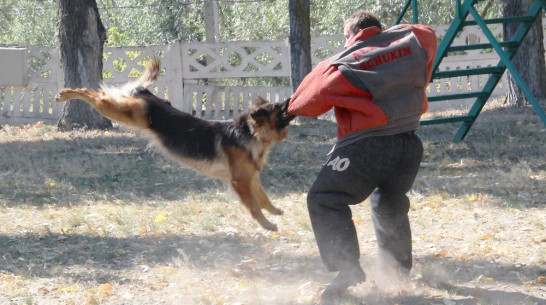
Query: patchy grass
x=94 y=217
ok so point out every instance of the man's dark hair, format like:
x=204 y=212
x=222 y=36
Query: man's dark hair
x=361 y=20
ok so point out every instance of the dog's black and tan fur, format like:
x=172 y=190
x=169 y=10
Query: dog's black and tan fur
x=233 y=151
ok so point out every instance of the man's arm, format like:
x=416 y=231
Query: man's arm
x=307 y=101
x=323 y=88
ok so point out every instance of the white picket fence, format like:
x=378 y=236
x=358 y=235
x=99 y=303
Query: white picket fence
x=187 y=65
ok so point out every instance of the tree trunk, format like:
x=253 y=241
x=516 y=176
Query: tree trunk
x=80 y=37
x=529 y=60
x=300 y=40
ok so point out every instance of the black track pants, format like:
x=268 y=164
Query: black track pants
x=383 y=167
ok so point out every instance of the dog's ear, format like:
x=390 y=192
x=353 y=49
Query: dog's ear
x=259 y=114
x=284 y=105
x=260 y=101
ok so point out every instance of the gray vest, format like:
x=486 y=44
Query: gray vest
x=392 y=67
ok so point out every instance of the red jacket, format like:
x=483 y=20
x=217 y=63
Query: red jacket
x=326 y=87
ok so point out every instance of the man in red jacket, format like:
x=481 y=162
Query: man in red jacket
x=377 y=89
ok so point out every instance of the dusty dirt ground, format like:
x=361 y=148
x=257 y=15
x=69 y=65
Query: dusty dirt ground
x=93 y=217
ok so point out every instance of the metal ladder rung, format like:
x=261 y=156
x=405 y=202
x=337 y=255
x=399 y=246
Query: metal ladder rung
x=480 y=46
x=453 y=119
x=465 y=72
x=526 y=19
x=457 y=96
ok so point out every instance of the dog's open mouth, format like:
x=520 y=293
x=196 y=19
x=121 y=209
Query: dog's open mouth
x=283 y=119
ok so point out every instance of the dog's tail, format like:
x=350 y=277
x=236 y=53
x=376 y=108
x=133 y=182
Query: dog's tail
x=148 y=78
x=150 y=75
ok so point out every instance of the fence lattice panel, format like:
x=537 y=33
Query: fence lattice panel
x=188 y=66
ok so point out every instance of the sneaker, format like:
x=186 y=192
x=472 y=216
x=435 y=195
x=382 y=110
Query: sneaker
x=339 y=285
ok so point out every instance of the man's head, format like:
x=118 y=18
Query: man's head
x=358 y=21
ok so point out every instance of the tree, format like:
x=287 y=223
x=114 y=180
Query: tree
x=80 y=37
x=529 y=60
x=300 y=40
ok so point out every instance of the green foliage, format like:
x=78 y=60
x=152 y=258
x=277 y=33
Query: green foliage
x=115 y=36
x=139 y=22
x=259 y=20
x=155 y=22
x=158 y=22
x=432 y=12
x=327 y=16
x=27 y=22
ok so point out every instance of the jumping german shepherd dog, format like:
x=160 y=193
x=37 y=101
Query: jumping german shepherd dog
x=233 y=151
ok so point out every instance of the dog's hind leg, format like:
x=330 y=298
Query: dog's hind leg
x=128 y=110
x=90 y=96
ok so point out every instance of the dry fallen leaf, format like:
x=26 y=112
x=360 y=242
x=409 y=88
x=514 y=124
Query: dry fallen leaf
x=442 y=253
x=404 y=292
x=464 y=256
x=486 y=279
x=307 y=299
x=43 y=290
x=289 y=234
x=472 y=197
x=357 y=220
x=67 y=289
x=142 y=230
x=90 y=301
x=160 y=218
x=105 y=289
x=241 y=285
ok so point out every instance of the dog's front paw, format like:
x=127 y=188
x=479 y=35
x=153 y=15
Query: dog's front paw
x=275 y=210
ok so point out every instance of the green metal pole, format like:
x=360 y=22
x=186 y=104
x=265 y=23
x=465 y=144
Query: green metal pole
x=415 y=12
x=404 y=10
x=458 y=9
x=506 y=60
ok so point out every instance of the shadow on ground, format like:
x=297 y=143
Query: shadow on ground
x=105 y=260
